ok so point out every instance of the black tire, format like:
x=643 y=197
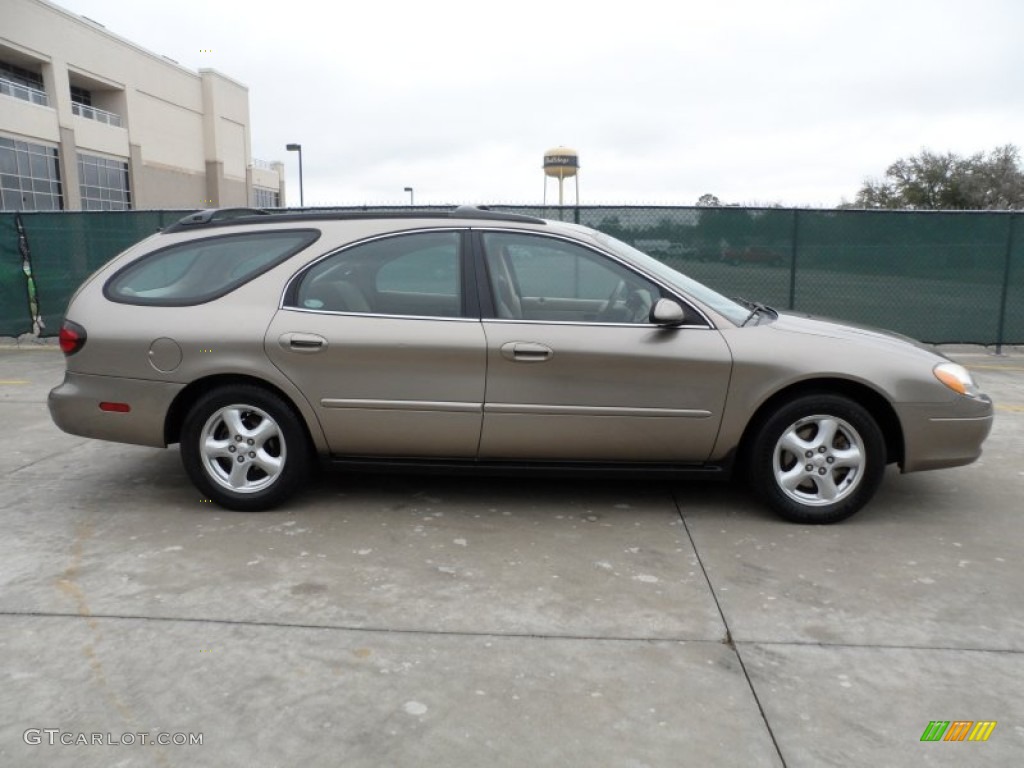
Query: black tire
x=265 y=449
x=818 y=459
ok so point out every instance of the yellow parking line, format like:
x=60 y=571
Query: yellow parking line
x=995 y=367
x=14 y=381
x=1011 y=408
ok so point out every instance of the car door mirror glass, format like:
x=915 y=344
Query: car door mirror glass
x=667 y=312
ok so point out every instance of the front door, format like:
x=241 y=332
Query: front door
x=575 y=369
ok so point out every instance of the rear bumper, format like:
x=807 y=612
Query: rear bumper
x=939 y=436
x=75 y=408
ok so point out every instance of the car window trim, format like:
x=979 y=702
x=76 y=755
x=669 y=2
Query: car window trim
x=484 y=285
x=591 y=323
x=486 y=290
x=444 y=318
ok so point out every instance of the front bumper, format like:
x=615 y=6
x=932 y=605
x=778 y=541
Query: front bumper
x=936 y=436
x=75 y=408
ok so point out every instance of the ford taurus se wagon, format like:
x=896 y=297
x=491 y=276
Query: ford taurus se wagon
x=470 y=338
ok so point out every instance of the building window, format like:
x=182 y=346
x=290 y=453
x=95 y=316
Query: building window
x=266 y=198
x=81 y=96
x=22 y=84
x=20 y=75
x=104 y=184
x=29 y=177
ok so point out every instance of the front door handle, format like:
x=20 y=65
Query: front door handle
x=526 y=352
x=303 y=342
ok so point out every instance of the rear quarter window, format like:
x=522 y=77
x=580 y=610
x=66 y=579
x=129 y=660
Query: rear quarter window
x=203 y=270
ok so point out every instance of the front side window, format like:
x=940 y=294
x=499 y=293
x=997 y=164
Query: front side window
x=540 y=278
x=407 y=275
x=203 y=270
x=687 y=285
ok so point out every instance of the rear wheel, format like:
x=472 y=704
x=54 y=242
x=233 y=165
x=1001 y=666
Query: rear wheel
x=818 y=459
x=244 y=448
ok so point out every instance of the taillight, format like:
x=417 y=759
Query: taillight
x=72 y=337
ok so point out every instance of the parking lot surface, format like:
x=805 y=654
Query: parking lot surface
x=383 y=620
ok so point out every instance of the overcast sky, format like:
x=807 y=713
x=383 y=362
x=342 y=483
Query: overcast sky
x=788 y=102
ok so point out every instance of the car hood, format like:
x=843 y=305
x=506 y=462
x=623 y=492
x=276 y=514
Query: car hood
x=811 y=325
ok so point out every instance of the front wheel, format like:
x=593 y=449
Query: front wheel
x=818 y=459
x=244 y=448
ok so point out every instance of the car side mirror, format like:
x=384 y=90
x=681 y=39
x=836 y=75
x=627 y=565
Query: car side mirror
x=667 y=312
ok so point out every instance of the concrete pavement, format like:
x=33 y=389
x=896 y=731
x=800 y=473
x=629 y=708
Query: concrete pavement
x=409 y=621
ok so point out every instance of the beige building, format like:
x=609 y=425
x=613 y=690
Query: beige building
x=91 y=121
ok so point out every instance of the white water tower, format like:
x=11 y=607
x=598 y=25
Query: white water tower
x=561 y=163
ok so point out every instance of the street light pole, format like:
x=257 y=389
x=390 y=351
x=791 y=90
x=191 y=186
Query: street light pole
x=411 y=199
x=298 y=148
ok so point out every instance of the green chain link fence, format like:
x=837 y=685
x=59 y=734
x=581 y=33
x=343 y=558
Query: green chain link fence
x=941 y=277
x=935 y=276
x=57 y=253
x=15 y=317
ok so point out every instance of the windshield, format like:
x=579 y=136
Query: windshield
x=726 y=307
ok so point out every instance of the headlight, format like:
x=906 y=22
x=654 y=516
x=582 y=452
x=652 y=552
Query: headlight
x=957 y=378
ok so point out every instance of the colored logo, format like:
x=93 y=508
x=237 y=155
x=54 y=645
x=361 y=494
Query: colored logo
x=958 y=730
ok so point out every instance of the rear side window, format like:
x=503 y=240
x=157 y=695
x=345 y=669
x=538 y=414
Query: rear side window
x=408 y=275
x=203 y=270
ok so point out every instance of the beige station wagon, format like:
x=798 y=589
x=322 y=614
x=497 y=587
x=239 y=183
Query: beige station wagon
x=470 y=338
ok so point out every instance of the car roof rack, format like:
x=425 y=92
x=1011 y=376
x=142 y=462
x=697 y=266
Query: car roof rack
x=484 y=212
x=222 y=217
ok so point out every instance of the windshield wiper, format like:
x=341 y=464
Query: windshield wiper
x=755 y=308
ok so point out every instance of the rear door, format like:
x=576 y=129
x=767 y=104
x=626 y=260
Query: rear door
x=386 y=344
x=576 y=371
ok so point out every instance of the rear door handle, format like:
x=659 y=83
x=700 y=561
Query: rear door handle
x=526 y=352
x=303 y=342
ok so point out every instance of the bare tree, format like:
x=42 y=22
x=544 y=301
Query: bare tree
x=930 y=181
